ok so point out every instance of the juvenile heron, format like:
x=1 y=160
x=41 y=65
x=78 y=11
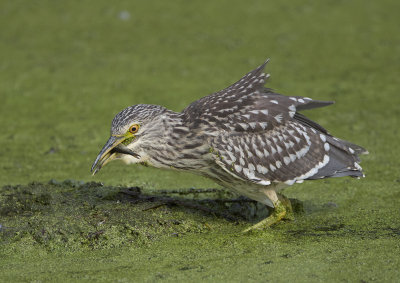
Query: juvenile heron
x=246 y=138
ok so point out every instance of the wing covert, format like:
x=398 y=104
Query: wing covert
x=246 y=106
x=288 y=154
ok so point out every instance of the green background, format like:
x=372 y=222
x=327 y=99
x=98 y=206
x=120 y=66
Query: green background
x=67 y=68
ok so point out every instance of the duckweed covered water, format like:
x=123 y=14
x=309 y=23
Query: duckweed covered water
x=67 y=68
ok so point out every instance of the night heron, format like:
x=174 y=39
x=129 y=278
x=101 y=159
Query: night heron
x=246 y=138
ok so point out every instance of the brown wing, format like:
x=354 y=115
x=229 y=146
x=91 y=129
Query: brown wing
x=290 y=153
x=258 y=135
x=246 y=106
x=287 y=153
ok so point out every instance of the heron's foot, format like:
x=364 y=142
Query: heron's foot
x=280 y=212
x=288 y=206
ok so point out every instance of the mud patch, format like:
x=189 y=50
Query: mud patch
x=74 y=214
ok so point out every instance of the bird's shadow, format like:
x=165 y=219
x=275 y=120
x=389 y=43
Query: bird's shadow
x=215 y=202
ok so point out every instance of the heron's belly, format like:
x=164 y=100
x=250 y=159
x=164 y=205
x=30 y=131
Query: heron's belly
x=243 y=187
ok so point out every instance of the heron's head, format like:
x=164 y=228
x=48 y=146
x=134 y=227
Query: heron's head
x=131 y=128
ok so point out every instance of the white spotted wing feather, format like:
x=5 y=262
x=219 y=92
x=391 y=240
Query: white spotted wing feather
x=258 y=135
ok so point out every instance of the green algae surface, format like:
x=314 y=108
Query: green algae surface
x=68 y=67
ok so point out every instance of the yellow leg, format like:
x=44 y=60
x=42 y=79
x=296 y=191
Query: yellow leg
x=288 y=206
x=282 y=210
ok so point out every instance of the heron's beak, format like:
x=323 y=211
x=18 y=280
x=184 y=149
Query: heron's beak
x=110 y=149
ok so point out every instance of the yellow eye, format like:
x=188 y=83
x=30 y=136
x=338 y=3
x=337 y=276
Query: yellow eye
x=134 y=128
